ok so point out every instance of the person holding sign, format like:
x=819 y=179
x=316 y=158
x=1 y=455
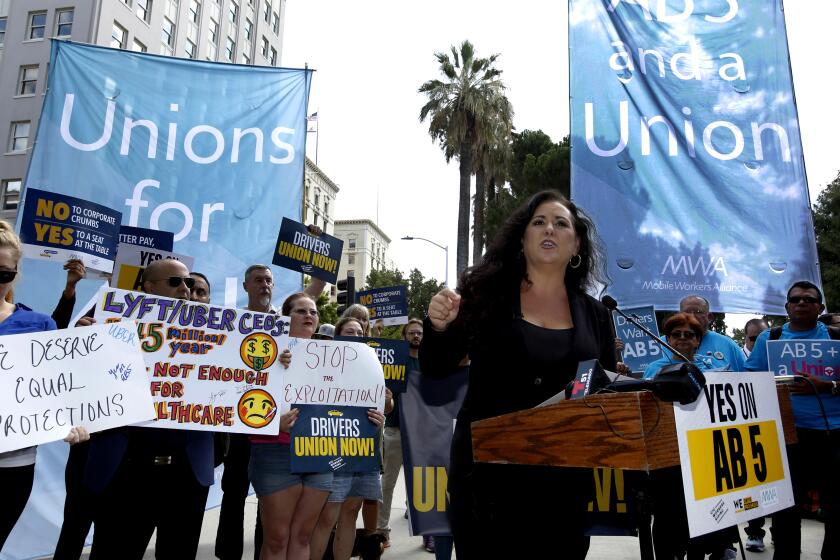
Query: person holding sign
x=815 y=459
x=289 y=503
x=17 y=468
x=683 y=331
x=524 y=318
x=349 y=490
x=134 y=470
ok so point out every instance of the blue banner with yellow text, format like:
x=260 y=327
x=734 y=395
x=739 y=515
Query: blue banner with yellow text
x=687 y=151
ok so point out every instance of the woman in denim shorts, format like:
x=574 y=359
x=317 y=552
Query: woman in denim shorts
x=289 y=503
x=349 y=490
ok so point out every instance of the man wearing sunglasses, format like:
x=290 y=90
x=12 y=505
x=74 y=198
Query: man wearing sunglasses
x=135 y=471
x=815 y=460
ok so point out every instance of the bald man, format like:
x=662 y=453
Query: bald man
x=149 y=478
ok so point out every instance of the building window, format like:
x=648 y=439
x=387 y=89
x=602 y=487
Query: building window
x=273 y=58
x=275 y=23
x=230 y=49
x=137 y=46
x=28 y=80
x=351 y=272
x=190 y=49
x=118 y=36
x=233 y=13
x=37 y=25
x=265 y=48
x=351 y=259
x=2 y=31
x=19 y=136
x=214 y=31
x=11 y=193
x=143 y=9
x=351 y=243
x=246 y=59
x=195 y=11
x=267 y=11
x=326 y=207
x=211 y=50
x=64 y=23
x=167 y=32
x=249 y=28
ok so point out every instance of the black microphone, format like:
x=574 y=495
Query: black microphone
x=612 y=305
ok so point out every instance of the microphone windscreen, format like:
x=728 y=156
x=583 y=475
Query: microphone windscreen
x=609 y=302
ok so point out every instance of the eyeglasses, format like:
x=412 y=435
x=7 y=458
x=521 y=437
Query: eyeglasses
x=803 y=299
x=697 y=312
x=7 y=276
x=688 y=335
x=304 y=312
x=175 y=281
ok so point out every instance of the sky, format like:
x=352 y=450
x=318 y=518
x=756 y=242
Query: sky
x=371 y=57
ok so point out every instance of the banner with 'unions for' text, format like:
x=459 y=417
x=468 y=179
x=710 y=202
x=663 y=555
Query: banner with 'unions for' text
x=687 y=150
x=213 y=153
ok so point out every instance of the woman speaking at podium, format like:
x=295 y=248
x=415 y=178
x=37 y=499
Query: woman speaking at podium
x=525 y=320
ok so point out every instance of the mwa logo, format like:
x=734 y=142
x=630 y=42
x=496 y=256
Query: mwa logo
x=691 y=266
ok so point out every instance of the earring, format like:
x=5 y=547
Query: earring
x=575 y=264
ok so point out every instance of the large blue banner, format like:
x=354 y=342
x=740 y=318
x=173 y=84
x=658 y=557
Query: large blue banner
x=686 y=150
x=213 y=153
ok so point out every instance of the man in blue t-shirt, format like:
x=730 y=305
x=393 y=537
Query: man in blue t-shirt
x=718 y=351
x=815 y=460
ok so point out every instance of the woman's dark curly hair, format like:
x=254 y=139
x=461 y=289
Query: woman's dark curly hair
x=488 y=288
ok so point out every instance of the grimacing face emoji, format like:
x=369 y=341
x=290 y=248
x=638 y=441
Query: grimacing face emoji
x=258 y=350
x=256 y=408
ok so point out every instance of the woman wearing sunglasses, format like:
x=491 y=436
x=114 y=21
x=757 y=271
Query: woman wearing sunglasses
x=17 y=468
x=682 y=331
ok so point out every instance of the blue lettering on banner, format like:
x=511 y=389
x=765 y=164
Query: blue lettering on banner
x=818 y=358
x=684 y=123
x=639 y=349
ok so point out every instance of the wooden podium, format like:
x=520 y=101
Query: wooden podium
x=633 y=431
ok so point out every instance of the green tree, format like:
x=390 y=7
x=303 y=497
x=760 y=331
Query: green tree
x=327 y=310
x=738 y=336
x=464 y=111
x=827 y=230
x=535 y=164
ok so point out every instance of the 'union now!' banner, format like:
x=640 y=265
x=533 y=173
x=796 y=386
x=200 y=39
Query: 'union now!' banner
x=687 y=151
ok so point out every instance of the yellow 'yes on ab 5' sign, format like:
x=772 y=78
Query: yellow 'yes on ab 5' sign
x=734 y=458
x=732 y=454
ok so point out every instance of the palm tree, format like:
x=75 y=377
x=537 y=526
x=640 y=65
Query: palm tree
x=490 y=161
x=464 y=109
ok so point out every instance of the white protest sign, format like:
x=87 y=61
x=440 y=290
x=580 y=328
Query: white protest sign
x=132 y=260
x=732 y=451
x=50 y=381
x=333 y=373
x=210 y=368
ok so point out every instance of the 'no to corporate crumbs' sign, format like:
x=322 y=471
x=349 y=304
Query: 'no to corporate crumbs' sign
x=388 y=305
x=732 y=451
x=51 y=381
x=392 y=354
x=334 y=438
x=210 y=368
x=299 y=250
x=60 y=227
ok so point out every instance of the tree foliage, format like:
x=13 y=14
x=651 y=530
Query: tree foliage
x=465 y=111
x=536 y=164
x=827 y=230
x=327 y=310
